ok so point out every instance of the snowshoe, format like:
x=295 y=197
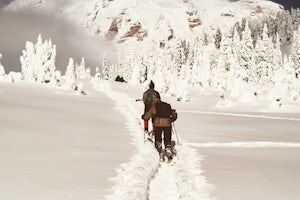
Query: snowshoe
x=161 y=157
x=174 y=151
x=149 y=135
x=169 y=154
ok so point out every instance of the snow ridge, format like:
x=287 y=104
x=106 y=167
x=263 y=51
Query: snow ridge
x=246 y=145
x=132 y=181
x=144 y=177
x=242 y=115
x=192 y=184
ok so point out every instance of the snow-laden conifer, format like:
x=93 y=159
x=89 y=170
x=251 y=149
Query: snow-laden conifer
x=70 y=75
x=88 y=73
x=201 y=73
x=136 y=70
x=97 y=74
x=239 y=74
x=80 y=70
x=105 y=69
x=225 y=67
x=263 y=67
x=295 y=52
x=245 y=58
x=38 y=61
x=295 y=57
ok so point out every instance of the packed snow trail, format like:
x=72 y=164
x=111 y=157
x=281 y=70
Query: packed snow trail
x=144 y=177
x=164 y=184
x=132 y=180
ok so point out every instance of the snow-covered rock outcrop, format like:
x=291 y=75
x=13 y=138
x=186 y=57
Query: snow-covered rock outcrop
x=141 y=20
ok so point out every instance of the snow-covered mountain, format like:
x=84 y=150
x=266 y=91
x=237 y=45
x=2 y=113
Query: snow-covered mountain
x=143 y=20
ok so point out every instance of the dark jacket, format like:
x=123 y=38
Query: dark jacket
x=162 y=114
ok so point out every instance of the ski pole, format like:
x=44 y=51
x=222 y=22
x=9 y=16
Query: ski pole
x=174 y=131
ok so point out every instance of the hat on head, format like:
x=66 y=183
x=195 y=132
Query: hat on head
x=151 y=85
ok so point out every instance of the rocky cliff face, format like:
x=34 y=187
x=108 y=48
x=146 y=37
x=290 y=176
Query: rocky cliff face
x=139 y=20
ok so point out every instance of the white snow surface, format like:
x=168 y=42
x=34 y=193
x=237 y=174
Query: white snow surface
x=58 y=144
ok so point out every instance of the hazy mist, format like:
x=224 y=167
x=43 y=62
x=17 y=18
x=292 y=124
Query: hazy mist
x=18 y=27
x=4 y=3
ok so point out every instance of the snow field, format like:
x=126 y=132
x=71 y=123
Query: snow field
x=57 y=144
x=164 y=185
x=247 y=153
x=143 y=177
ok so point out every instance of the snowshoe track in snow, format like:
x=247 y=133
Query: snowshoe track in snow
x=144 y=177
x=163 y=186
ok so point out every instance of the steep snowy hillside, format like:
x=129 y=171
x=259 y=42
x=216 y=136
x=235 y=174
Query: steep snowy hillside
x=142 y=20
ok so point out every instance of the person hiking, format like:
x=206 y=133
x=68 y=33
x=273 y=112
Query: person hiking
x=163 y=115
x=150 y=97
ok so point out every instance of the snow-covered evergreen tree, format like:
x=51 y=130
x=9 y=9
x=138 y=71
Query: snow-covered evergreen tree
x=218 y=38
x=70 y=75
x=239 y=74
x=136 y=70
x=105 y=69
x=225 y=66
x=285 y=26
x=179 y=56
x=201 y=70
x=295 y=53
x=38 y=61
x=295 y=15
x=213 y=55
x=245 y=55
x=278 y=62
x=27 y=61
x=263 y=73
x=295 y=57
x=81 y=70
x=88 y=73
x=97 y=74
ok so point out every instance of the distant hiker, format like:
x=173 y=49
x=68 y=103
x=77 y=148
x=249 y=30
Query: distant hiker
x=120 y=79
x=163 y=115
x=150 y=97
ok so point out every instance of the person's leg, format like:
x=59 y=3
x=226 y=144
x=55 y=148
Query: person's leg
x=158 y=139
x=167 y=142
x=146 y=124
x=167 y=136
x=153 y=127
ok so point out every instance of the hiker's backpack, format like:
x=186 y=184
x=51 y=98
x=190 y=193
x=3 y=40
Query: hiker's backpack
x=150 y=96
x=164 y=110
